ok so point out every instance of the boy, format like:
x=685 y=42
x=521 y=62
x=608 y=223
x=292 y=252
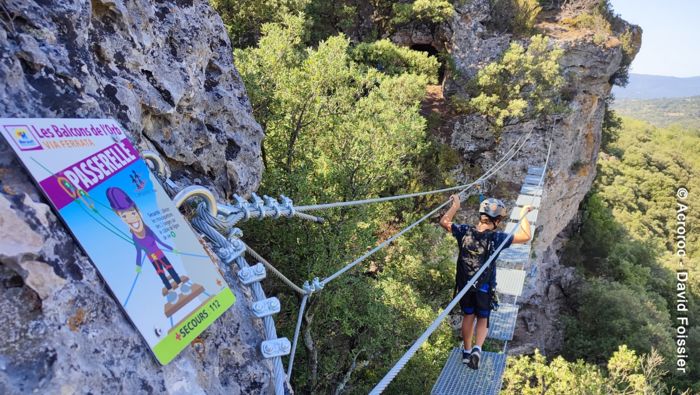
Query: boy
x=476 y=244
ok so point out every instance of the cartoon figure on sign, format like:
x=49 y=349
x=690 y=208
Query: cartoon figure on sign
x=146 y=241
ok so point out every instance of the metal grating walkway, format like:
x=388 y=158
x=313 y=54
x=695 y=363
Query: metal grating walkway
x=510 y=281
x=517 y=254
x=502 y=322
x=457 y=378
x=531 y=200
x=531 y=216
x=531 y=190
x=535 y=171
x=533 y=180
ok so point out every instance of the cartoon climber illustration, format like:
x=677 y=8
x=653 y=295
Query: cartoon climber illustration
x=146 y=241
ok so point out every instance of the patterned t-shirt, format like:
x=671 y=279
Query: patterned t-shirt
x=475 y=248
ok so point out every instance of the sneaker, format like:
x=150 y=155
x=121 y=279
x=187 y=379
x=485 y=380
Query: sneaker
x=465 y=356
x=474 y=358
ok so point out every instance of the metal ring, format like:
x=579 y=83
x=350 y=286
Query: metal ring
x=200 y=191
x=160 y=167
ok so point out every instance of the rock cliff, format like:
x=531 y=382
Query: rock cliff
x=164 y=70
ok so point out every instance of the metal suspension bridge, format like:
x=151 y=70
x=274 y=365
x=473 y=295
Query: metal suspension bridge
x=216 y=221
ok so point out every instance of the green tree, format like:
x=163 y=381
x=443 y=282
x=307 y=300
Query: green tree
x=612 y=124
x=435 y=11
x=604 y=320
x=524 y=83
x=366 y=21
x=339 y=130
x=393 y=60
x=626 y=373
x=625 y=249
x=244 y=18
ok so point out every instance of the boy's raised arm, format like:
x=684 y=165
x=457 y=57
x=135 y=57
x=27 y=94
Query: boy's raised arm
x=523 y=234
x=446 y=220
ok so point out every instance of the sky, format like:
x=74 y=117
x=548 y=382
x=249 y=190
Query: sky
x=671 y=37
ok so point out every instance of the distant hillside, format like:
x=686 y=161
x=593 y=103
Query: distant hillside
x=662 y=112
x=642 y=86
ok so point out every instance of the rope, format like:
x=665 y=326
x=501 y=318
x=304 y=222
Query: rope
x=384 y=382
x=486 y=175
x=408 y=195
x=274 y=271
x=296 y=334
x=382 y=245
x=202 y=221
x=133 y=284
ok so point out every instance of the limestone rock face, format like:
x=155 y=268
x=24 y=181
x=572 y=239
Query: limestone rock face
x=164 y=70
x=589 y=66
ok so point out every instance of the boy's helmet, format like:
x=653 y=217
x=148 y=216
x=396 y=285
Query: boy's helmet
x=494 y=208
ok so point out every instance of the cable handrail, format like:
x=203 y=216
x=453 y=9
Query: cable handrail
x=484 y=177
x=324 y=206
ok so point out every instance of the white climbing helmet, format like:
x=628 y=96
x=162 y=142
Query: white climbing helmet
x=494 y=208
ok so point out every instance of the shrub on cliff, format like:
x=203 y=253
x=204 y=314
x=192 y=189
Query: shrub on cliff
x=523 y=84
x=515 y=16
x=435 y=11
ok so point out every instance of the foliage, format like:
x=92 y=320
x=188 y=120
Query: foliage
x=328 y=18
x=392 y=59
x=627 y=373
x=372 y=20
x=244 y=18
x=629 y=50
x=362 y=21
x=515 y=16
x=435 y=11
x=612 y=124
x=625 y=248
x=522 y=84
x=683 y=112
x=594 y=21
x=338 y=130
x=604 y=308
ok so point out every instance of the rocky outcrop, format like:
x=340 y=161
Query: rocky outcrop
x=165 y=71
x=589 y=65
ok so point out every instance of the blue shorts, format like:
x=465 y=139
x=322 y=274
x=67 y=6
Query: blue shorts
x=477 y=302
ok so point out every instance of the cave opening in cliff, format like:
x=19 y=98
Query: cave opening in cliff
x=432 y=51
